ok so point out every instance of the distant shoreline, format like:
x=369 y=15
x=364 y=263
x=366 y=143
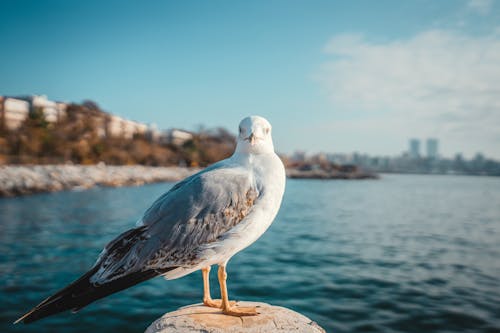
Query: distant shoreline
x=330 y=174
x=18 y=180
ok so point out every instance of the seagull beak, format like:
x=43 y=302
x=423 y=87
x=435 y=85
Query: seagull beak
x=252 y=139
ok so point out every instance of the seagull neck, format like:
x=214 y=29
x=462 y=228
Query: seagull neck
x=259 y=149
x=248 y=157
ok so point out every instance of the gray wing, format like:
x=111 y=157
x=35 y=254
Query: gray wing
x=195 y=212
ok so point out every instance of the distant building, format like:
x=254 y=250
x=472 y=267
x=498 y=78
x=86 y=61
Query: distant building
x=152 y=133
x=479 y=158
x=432 y=148
x=13 y=112
x=52 y=111
x=132 y=128
x=478 y=162
x=120 y=127
x=414 y=150
x=299 y=156
x=176 y=137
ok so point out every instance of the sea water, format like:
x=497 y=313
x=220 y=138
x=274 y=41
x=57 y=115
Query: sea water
x=405 y=253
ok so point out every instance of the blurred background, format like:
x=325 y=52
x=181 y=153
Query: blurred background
x=386 y=115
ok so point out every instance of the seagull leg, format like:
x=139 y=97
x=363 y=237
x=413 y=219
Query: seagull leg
x=227 y=307
x=207 y=299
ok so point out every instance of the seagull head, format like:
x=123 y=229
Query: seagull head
x=254 y=136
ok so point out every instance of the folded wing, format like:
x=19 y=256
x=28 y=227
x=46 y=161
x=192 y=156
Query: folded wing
x=194 y=213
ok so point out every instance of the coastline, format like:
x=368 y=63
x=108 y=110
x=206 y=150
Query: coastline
x=16 y=180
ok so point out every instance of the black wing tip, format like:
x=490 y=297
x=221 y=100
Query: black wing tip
x=30 y=316
x=24 y=318
x=67 y=298
x=82 y=292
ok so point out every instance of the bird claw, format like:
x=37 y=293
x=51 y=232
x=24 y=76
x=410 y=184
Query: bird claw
x=240 y=311
x=217 y=303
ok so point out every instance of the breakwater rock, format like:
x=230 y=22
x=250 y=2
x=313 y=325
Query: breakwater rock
x=21 y=180
x=199 y=318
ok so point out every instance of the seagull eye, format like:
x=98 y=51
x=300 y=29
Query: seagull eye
x=267 y=130
x=241 y=130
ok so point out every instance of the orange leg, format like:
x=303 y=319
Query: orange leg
x=227 y=307
x=207 y=299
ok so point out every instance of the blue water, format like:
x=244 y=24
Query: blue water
x=400 y=254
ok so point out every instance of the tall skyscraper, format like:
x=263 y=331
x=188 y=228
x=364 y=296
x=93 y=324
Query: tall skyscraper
x=432 y=148
x=414 y=148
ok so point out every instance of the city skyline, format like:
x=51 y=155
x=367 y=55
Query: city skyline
x=330 y=76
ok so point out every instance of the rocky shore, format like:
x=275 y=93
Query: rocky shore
x=21 y=180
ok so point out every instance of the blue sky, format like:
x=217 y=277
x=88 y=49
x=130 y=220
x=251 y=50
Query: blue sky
x=331 y=76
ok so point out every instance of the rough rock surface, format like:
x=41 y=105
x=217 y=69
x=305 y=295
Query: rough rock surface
x=20 y=180
x=199 y=318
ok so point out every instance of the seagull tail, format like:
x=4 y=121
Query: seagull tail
x=82 y=292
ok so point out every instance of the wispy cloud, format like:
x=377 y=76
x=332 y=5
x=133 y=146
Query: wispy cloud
x=480 y=6
x=436 y=83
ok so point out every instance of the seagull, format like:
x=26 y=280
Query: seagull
x=201 y=221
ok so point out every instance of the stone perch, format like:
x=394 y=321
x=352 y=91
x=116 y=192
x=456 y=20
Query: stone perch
x=200 y=318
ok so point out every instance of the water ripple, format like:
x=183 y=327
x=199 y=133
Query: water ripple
x=402 y=254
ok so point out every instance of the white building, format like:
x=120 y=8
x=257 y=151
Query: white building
x=177 y=137
x=52 y=111
x=13 y=112
x=153 y=134
x=120 y=127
